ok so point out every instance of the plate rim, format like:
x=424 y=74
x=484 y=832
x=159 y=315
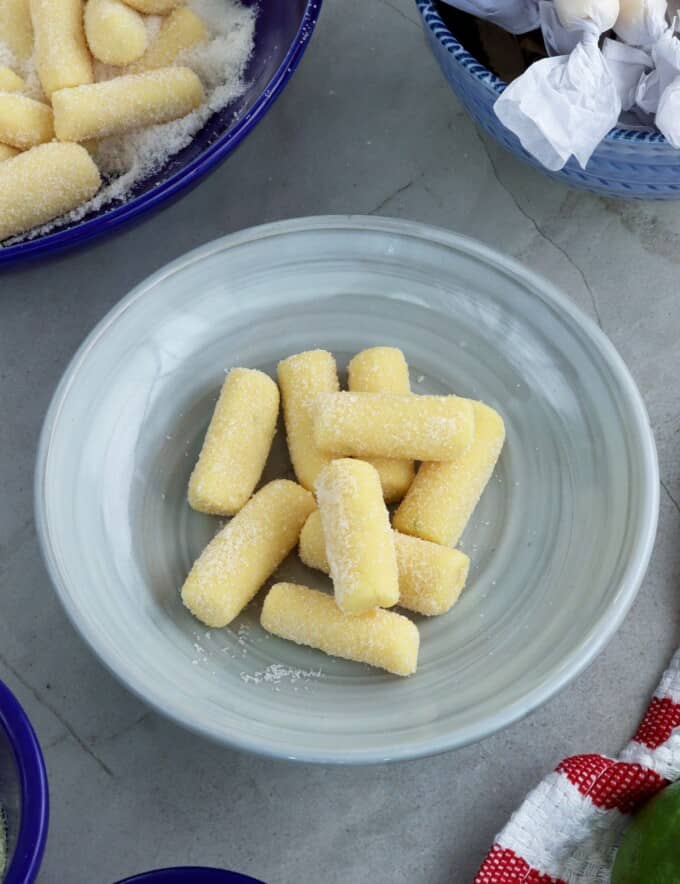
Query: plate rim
x=580 y=657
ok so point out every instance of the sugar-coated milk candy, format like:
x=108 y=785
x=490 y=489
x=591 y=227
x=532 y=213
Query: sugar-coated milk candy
x=61 y=54
x=359 y=539
x=9 y=81
x=24 y=122
x=384 y=370
x=386 y=425
x=153 y=7
x=16 y=28
x=180 y=32
x=443 y=496
x=431 y=577
x=306 y=616
x=116 y=33
x=236 y=443
x=44 y=183
x=124 y=103
x=244 y=554
x=302 y=378
x=7 y=152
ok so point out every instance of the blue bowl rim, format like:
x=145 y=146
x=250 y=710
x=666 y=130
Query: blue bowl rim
x=441 y=31
x=591 y=645
x=191 y=875
x=187 y=175
x=32 y=836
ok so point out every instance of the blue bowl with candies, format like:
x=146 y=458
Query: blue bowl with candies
x=282 y=33
x=633 y=162
x=24 y=798
x=190 y=875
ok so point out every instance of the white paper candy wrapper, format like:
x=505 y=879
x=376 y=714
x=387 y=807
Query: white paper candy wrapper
x=515 y=16
x=641 y=22
x=627 y=65
x=558 y=39
x=565 y=105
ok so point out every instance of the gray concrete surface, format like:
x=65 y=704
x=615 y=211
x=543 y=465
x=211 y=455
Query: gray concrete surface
x=367 y=125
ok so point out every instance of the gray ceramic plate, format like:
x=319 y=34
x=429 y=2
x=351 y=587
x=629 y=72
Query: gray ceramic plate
x=559 y=543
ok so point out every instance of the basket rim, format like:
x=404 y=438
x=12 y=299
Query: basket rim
x=441 y=31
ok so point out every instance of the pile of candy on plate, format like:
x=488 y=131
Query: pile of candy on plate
x=589 y=64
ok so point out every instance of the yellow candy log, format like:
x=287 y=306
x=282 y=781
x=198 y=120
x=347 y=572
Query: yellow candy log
x=443 y=495
x=44 y=183
x=153 y=7
x=61 y=54
x=384 y=370
x=180 y=32
x=431 y=577
x=236 y=444
x=309 y=617
x=238 y=560
x=384 y=425
x=124 y=103
x=16 y=29
x=359 y=540
x=7 y=152
x=9 y=81
x=24 y=122
x=302 y=378
x=116 y=34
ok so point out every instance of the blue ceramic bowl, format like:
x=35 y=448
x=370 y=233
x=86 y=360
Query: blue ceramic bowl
x=190 y=875
x=634 y=162
x=23 y=791
x=282 y=33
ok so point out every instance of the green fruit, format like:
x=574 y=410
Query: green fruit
x=650 y=852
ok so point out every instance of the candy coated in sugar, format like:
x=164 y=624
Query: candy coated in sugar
x=431 y=577
x=443 y=496
x=306 y=616
x=236 y=443
x=384 y=370
x=359 y=540
x=302 y=378
x=244 y=554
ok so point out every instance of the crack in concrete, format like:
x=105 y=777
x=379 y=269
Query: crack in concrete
x=401 y=14
x=670 y=496
x=381 y=205
x=60 y=718
x=128 y=727
x=542 y=232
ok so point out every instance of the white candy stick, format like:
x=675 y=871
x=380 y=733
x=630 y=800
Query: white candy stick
x=565 y=105
x=515 y=16
x=627 y=64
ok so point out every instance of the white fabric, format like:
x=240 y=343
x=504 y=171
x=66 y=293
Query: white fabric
x=515 y=16
x=556 y=810
x=562 y=833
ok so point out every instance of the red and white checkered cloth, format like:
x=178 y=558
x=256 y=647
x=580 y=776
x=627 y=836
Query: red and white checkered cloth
x=569 y=827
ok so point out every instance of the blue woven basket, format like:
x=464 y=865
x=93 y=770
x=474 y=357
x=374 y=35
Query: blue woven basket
x=631 y=162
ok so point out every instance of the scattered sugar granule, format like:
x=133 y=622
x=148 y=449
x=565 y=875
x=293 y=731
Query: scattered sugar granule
x=277 y=672
x=125 y=160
